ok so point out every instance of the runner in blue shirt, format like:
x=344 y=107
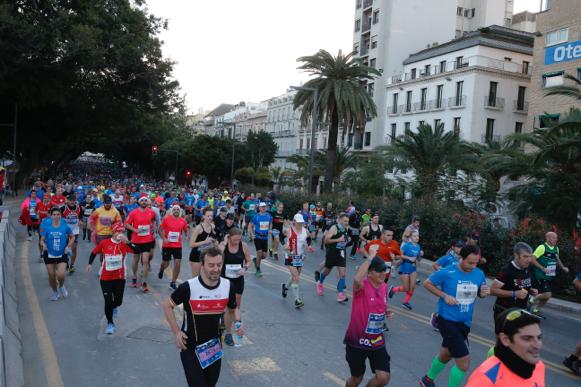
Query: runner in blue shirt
x=411 y=251
x=451 y=257
x=56 y=240
x=457 y=287
x=200 y=205
x=260 y=226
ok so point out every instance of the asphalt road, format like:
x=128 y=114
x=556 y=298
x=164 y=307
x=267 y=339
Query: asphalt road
x=64 y=343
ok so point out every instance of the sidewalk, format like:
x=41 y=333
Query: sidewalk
x=554 y=303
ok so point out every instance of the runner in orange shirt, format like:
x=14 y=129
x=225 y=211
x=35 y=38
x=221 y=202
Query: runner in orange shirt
x=388 y=249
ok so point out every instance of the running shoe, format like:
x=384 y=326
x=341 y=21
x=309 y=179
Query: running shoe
x=254 y=261
x=270 y=253
x=406 y=305
x=64 y=292
x=160 y=274
x=353 y=258
x=341 y=297
x=110 y=329
x=144 y=288
x=434 y=321
x=258 y=273
x=284 y=290
x=72 y=269
x=55 y=296
x=133 y=282
x=317 y=275
x=228 y=339
x=173 y=285
x=427 y=382
x=299 y=303
x=319 y=288
x=29 y=238
x=391 y=292
x=116 y=312
x=276 y=256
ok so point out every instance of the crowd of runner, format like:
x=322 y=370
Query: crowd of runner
x=125 y=219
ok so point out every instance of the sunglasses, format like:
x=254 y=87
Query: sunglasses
x=380 y=270
x=514 y=315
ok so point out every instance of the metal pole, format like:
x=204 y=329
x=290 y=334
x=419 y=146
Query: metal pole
x=14 y=144
x=312 y=155
x=233 y=155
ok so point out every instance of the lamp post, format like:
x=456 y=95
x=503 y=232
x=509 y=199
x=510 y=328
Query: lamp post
x=233 y=154
x=315 y=92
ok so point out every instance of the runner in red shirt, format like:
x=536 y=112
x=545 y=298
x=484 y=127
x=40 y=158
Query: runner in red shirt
x=112 y=271
x=388 y=249
x=171 y=229
x=141 y=222
x=58 y=199
x=42 y=210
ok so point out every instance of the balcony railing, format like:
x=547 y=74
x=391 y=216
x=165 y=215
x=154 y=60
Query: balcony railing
x=457 y=102
x=520 y=106
x=494 y=138
x=366 y=26
x=364 y=50
x=493 y=103
x=437 y=104
x=394 y=110
x=420 y=106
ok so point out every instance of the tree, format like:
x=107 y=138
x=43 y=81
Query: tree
x=431 y=153
x=259 y=149
x=343 y=99
x=344 y=160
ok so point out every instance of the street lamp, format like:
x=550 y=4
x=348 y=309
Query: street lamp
x=233 y=154
x=315 y=92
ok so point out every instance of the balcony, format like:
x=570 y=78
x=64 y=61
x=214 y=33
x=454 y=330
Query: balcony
x=395 y=79
x=407 y=108
x=394 y=110
x=457 y=102
x=437 y=104
x=364 y=50
x=520 y=107
x=493 y=103
x=494 y=138
x=419 y=107
x=366 y=27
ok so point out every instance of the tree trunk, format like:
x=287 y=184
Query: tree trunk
x=331 y=153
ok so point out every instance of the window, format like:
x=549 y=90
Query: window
x=459 y=87
x=421 y=123
x=473 y=12
x=370 y=89
x=357 y=25
x=374 y=42
x=423 y=95
x=406 y=126
x=408 y=101
x=394 y=103
x=556 y=37
x=372 y=62
x=489 y=129
x=413 y=74
x=553 y=79
x=308 y=143
x=507 y=59
x=547 y=120
x=427 y=69
x=518 y=127
x=443 y=66
x=367 y=139
x=350 y=139
x=492 y=89
x=437 y=122
x=393 y=131
x=466 y=12
x=376 y=16
x=457 y=126
x=459 y=63
x=301 y=144
x=358 y=4
x=525 y=67
x=439 y=92
x=459 y=11
x=520 y=100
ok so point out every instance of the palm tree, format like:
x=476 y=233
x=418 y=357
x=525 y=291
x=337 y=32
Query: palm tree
x=431 y=153
x=345 y=159
x=569 y=91
x=343 y=98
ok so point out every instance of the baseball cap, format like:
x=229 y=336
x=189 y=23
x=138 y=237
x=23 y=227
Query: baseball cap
x=143 y=199
x=262 y=204
x=459 y=243
x=176 y=207
x=377 y=265
x=299 y=218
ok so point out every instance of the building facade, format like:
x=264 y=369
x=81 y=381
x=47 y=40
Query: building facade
x=387 y=31
x=557 y=52
x=475 y=85
x=283 y=123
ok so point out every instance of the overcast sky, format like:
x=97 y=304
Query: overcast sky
x=246 y=50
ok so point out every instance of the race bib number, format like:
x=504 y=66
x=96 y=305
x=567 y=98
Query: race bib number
x=375 y=323
x=251 y=207
x=551 y=270
x=113 y=262
x=296 y=260
x=466 y=294
x=388 y=264
x=232 y=271
x=143 y=230
x=264 y=226
x=32 y=212
x=173 y=236
x=88 y=212
x=354 y=231
x=72 y=219
x=209 y=352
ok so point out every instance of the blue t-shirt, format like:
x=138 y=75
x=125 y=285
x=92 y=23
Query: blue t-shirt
x=200 y=205
x=447 y=260
x=130 y=207
x=261 y=225
x=170 y=201
x=190 y=200
x=579 y=277
x=410 y=250
x=460 y=285
x=55 y=237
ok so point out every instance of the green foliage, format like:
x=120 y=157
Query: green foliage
x=263 y=177
x=259 y=149
x=245 y=175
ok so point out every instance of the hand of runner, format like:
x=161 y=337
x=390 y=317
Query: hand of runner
x=484 y=291
x=450 y=300
x=389 y=314
x=241 y=272
x=534 y=292
x=565 y=269
x=240 y=331
x=181 y=339
x=373 y=250
x=89 y=268
x=521 y=294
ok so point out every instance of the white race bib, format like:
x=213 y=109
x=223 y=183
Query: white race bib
x=173 y=236
x=232 y=271
x=113 y=262
x=264 y=226
x=466 y=294
x=375 y=323
x=551 y=269
x=88 y=212
x=143 y=230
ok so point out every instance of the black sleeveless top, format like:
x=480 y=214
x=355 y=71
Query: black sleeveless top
x=373 y=234
x=236 y=258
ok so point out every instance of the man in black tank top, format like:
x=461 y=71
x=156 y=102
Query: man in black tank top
x=371 y=231
x=237 y=258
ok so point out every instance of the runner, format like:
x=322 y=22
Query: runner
x=203 y=237
x=414 y=226
x=388 y=250
x=336 y=239
x=249 y=207
x=204 y=298
x=58 y=199
x=329 y=218
x=372 y=230
x=319 y=219
x=456 y=288
x=29 y=214
x=141 y=222
x=43 y=210
x=72 y=214
x=277 y=229
x=56 y=240
x=101 y=221
x=517 y=361
x=364 y=337
x=171 y=230
x=87 y=208
x=545 y=269
x=411 y=251
x=201 y=205
x=259 y=228
x=354 y=231
x=219 y=223
x=237 y=259
x=295 y=248
x=112 y=272
x=451 y=257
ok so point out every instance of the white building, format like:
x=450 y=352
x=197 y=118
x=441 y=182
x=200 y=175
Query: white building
x=387 y=31
x=524 y=21
x=283 y=123
x=229 y=122
x=475 y=85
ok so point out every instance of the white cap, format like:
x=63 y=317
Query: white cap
x=299 y=218
x=262 y=204
x=176 y=207
x=143 y=198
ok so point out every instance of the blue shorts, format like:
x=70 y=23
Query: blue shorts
x=407 y=268
x=454 y=337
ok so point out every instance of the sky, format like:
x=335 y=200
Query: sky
x=228 y=51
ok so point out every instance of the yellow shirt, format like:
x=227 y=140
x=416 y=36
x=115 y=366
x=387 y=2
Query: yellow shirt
x=103 y=220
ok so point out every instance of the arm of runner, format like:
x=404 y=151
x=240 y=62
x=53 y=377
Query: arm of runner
x=363 y=269
x=179 y=336
x=563 y=267
x=437 y=277
x=363 y=234
x=247 y=257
